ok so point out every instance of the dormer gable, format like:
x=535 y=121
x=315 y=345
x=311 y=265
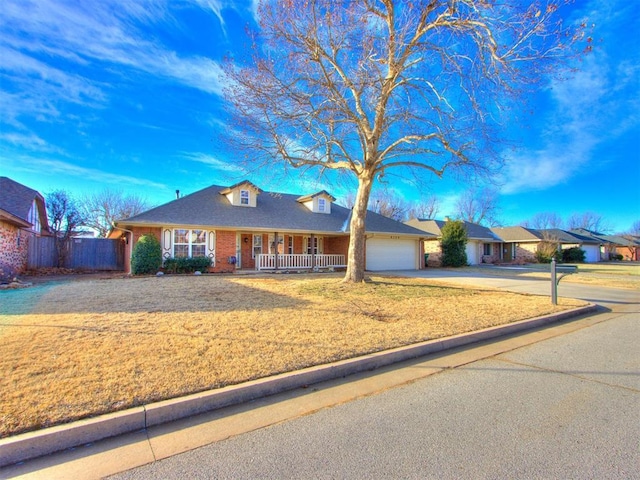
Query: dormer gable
x=243 y=194
x=318 y=202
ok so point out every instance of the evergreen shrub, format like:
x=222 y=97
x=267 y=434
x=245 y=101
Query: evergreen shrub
x=573 y=255
x=146 y=257
x=454 y=244
x=186 y=265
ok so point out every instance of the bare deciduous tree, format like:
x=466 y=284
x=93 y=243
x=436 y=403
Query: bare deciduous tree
x=384 y=203
x=65 y=216
x=544 y=220
x=426 y=208
x=479 y=206
x=102 y=208
x=364 y=86
x=389 y=205
x=589 y=221
x=634 y=231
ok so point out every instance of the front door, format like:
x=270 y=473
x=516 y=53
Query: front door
x=507 y=252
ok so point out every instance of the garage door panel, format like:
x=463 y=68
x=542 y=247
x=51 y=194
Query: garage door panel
x=472 y=253
x=391 y=254
x=592 y=253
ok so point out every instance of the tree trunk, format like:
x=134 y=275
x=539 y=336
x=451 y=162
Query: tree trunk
x=356 y=254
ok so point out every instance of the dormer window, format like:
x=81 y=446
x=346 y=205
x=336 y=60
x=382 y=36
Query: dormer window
x=243 y=194
x=318 y=203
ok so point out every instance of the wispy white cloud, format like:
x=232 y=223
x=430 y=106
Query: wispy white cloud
x=213 y=162
x=106 y=32
x=29 y=142
x=592 y=102
x=37 y=165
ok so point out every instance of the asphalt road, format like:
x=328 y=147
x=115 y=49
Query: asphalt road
x=566 y=407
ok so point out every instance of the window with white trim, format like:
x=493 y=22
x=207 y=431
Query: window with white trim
x=322 y=204
x=257 y=246
x=189 y=243
x=290 y=245
x=314 y=247
x=244 y=197
x=487 y=250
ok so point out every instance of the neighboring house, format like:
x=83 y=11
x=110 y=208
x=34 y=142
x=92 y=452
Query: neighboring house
x=590 y=245
x=519 y=244
x=242 y=227
x=22 y=215
x=626 y=245
x=483 y=246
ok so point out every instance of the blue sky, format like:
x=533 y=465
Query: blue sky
x=127 y=95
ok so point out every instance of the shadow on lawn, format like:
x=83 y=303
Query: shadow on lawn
x=143 y=295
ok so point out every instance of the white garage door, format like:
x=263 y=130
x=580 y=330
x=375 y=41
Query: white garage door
x=391 y=254
x=592 y=253
x=472 y=253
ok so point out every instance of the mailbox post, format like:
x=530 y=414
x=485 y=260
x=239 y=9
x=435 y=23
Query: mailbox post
x=554 y=283
x=564 y=270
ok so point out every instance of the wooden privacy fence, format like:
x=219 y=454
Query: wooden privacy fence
x=84 y=254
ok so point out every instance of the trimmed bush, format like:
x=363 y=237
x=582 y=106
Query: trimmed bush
x=146 y=256
x=573 y=255
x=186 y=265
x=454 y=244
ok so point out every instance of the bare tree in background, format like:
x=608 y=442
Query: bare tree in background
x=544 y=220
x=101 y=209
x=384 y=203
x=589 y=221
x=479 y=206
x=426 y=208
x=65 y=216
x=365 y=86
x=389 y=205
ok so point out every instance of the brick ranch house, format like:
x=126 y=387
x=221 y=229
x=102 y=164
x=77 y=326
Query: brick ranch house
x=508 y=244
x=23 y=215
x=241 y=227
x=483 y=246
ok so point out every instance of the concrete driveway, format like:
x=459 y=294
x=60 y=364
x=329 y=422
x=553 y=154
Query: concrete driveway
x=611 y=298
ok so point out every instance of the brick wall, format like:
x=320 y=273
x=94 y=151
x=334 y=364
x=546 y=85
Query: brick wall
x=226 y=247
x=14 y=244
x=336 y=246
x=526 y=252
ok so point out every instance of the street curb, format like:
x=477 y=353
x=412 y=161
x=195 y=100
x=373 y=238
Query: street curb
x=43 y=442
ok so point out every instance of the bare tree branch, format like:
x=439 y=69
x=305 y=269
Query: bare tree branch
x=364 y=86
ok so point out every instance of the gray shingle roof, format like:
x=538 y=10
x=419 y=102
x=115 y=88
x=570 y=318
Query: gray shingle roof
x=567 y=237
x=474 y=231
x=517 y=234
x=16 y=198
x=274 y=212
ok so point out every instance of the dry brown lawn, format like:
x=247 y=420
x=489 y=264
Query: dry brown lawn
x=77 y=349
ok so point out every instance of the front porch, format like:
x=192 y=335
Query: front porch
x=271 y=261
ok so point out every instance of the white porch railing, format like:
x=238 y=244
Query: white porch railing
x=298 y=261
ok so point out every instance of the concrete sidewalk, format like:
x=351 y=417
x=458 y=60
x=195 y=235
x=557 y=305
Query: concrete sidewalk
x=146 y=434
